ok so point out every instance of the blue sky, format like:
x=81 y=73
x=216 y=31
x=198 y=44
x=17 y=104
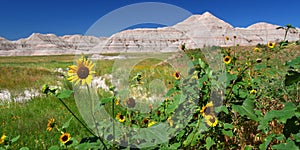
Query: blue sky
x=21 y=18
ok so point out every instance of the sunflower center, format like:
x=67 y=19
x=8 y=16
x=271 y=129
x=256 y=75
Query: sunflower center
x=121 y=117
x=207 y=110
x=83 y=72
x=177 y=75
x=131 y=103
x=226 y=59
x=212 y=120
x=64 y=138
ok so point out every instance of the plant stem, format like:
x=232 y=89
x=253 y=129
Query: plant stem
x=84 y=125
x=234 y=82
x=96 y=124
x=76 y=116
x=113 y=114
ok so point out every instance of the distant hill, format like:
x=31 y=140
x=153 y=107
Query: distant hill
x=196 y=31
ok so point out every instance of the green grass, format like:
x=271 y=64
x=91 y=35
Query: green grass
x=29 y=120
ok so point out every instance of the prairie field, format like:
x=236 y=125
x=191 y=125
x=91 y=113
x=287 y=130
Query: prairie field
x=259 y=87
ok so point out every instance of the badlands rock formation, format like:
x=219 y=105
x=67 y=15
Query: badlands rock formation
x=196 y=31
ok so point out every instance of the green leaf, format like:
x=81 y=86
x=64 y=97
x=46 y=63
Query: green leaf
x=292 y=77
x=295 y=63
x=64 y=94
x=282 y=115
x=247 y=109
x=170 y=92
x=24 y=148
x=248 y=147
x=266 y=142
x=290 y=145
x=231 y=77
x=66 y=125
x=189 y=140
x=202 y=63
x=175 y=146
x=209 y=142
x=297 y=137
x=280 y=137
x=228 y=133
x=106 y=100
x=221 y=109
x=157 y=134
x=55 y=147
x=228 y=126
x=243 y=94
x=15 y=139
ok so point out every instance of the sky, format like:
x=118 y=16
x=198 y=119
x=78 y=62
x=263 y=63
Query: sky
x=21 y=18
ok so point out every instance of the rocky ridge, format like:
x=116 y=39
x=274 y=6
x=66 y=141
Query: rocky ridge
x=196 y=31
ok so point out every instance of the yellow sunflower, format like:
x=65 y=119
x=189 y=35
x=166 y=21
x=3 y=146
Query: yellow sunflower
x=176 y=75
x=226 y=38
x=271 y=45
x=64 y=138
x=51 y=124
x=117 y=102
x=211 y=120
x=207 y=109
x=256 y=49
x=166 y=99
x=253 y=91
x=82 y=72
x=227 y=60
x=2 y=139
x=151 y=123
x=170 y=122
x=120 y=117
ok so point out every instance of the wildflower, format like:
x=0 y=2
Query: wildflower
x=226 y=38
x=166 y=99
x=120 y=117
x=271 y=45
x=2 y=139
x=117 y=102
x=151 y=123
x=258 y=60
x=64 y=138
x=51 y=124
x=256 y=49
x=158 y=113
x=253 y=91
x=145 y=120
x=138 y=78
x=227 y=60
x=176 y=75
x=211 y=120
x=207 y=109
x=82 y=72
x=131 y=103
x=170 y=122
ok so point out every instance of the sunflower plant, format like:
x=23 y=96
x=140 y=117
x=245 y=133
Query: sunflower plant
x=64 y=139
x=193 y=109
x=82 y=72
x=6 y=141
